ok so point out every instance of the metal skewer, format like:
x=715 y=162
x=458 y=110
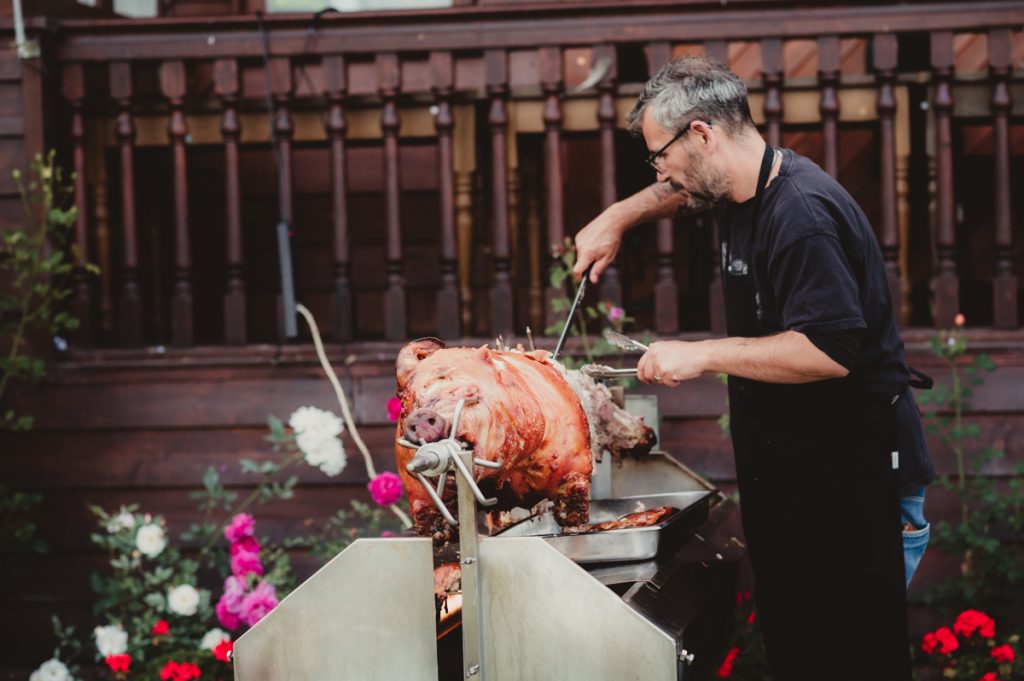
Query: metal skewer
x=572 y=311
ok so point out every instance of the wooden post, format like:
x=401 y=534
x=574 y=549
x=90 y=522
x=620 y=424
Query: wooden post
x=74 y=92
x=225 y=73
x=448 y=295
x=551 y=82
x=129 y=302
x=828 y=76
x=884 y=48
x=945 y=284
x=1004 y=281
x=496 y=69
x=771 y=75
x=172 y=84
x=337 y=87
x=388 y=84
x=611 y=286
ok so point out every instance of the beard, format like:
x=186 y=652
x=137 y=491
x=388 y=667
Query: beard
x=704 y=185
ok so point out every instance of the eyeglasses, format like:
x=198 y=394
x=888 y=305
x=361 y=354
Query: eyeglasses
x=652 y=160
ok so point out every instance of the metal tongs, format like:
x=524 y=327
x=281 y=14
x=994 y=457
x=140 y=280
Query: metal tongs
x=619 y=340
x=572 y=311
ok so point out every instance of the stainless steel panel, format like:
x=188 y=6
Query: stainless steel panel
x=638 y=543
x=368 y=615
x=546 y=619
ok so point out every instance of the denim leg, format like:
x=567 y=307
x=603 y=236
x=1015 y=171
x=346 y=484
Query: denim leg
x=914 y=541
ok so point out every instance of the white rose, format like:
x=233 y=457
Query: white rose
x=183 y=599
x=150 y=540
x=317 y=423
x=111 y=639
x=327 y=454
x=122 y=521
x=51 y=670
x=213 y=637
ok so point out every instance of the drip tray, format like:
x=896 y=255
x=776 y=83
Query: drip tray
x=630 y=544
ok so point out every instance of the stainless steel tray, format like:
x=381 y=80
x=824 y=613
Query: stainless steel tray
x=635 y=543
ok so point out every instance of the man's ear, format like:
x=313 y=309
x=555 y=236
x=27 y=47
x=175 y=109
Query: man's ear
x=411 y=354
x=707 y=133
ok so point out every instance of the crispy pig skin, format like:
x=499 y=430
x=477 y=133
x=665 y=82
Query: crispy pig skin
x=519 y=410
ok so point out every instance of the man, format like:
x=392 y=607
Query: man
x=824 y=429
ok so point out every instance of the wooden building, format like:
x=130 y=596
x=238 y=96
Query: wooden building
x=431 y=159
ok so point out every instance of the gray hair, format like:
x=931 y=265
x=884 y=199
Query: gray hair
x=689 y=88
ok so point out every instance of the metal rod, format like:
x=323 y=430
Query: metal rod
x=469 y=556
x=468 y=475
x=572 y=311
x=436 y=499
x=487 y=464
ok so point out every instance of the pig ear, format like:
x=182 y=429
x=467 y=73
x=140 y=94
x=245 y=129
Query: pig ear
x=411 y=354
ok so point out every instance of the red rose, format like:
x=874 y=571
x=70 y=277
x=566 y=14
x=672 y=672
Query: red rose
x=223 y=651
x=929 y=643
x=730 y=658
x=118 y=663
x=175 y=671
x=942 y=639
x=990 y=676
x=1004 y=653
x=161 y=628
x=970 y=621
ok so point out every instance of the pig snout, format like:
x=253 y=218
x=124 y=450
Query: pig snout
x=426 y=425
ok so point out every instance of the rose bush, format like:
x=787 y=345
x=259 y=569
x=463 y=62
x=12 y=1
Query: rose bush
x=169 y=609
x=971 y=649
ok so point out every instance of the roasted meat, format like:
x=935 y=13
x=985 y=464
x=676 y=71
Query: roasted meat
x=522 y=410
x=646 y=518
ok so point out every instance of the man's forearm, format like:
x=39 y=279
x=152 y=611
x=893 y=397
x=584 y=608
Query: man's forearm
x=787 y=357
x=656 y=201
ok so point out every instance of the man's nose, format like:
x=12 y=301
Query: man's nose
x=662 y=176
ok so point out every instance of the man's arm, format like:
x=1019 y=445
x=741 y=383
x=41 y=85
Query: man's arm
x=598 y=242
x=787 y=357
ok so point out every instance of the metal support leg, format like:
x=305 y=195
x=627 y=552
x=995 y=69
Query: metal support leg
x=472 y=639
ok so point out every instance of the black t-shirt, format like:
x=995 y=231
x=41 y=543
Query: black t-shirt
x=817 y=269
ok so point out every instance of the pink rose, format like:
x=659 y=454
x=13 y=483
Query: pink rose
x=615 y=313
x=394 y=408
x=258 y=603
x=386 y=488
x=959 y=320
x=387 y=533
x=245 y=563
x=246 y=545
x=227 y=618
x=240 y=526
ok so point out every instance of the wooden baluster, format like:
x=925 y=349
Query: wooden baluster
x=828 y=76
x=551 y=82
x=96 y=164
x=496 y=68
x=771 y=76
x=884 y=48
x=74 y=92
x=611 y=286
x=388 y=84
x=337 y=87
x=945 y=285
x=1004 y=281
x=129 y=300
x=226 y=84
x=448 y=295
x=666 y=293
x=172 y=84
x=716 y=49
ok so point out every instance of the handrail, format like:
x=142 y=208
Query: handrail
x=480 y=28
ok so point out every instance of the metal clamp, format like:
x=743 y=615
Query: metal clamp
x=437 y=458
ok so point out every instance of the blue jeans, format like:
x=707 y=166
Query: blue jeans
x=914 y=541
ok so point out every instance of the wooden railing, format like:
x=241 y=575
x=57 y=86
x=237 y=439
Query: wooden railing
x=489 y=157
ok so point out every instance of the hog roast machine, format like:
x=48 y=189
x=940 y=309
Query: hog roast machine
x=646 y=603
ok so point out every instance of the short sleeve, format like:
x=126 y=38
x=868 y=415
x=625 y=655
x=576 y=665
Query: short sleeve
x=815 y=288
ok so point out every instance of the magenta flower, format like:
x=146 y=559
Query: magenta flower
x=228 y=619
x=229 y=607
x=386 y=488
x=615 y=313
x=246 y=545
x=387 y=533
x=394 y=408
x=240 y=526
x=245 y=563
x=258 y=603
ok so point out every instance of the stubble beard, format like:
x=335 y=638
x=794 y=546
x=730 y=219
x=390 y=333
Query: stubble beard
x=705 y=185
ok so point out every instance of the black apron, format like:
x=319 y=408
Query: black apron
x=820 y=507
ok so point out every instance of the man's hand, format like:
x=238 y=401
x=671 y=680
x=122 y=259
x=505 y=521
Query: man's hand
x=598 y=243
x=672 y=362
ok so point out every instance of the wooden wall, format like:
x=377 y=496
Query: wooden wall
x=142 y=429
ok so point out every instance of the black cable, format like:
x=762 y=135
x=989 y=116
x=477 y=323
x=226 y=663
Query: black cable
x=284 y=253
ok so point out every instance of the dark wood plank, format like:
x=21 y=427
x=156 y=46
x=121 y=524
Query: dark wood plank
x=885 y=51
x=945 y=282
x=1004 y=281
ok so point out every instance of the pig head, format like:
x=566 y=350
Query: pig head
x=519 y=411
